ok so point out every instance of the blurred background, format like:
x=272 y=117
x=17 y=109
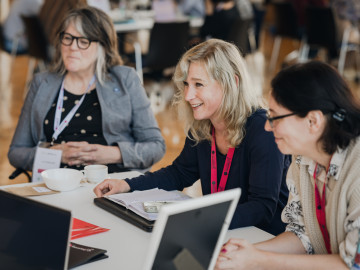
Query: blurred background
x=270 y=34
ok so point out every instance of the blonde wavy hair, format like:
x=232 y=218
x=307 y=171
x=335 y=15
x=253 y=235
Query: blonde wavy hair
x=223 y=63
x=93 y=24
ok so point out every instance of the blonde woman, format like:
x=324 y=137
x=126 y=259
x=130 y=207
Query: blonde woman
x=226 y=146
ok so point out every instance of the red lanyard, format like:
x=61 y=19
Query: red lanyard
x=320 y=213
x=227 y=165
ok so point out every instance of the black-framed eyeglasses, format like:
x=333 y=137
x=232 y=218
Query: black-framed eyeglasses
x=82 y=42
x=272 y=119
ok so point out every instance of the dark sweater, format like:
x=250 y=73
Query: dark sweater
x=219 y=24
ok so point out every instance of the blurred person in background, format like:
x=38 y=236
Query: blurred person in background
x=348 y=13
x=220 y=16
x=347 y=10
x=194 y=8
x=245 y=9
x=14 y=28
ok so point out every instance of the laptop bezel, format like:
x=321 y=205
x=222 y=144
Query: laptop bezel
x=49 y=206
x=232 y=195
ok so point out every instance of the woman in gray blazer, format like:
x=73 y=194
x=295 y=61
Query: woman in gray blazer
x=90 y=106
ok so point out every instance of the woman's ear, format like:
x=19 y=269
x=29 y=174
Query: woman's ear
x=316 y=121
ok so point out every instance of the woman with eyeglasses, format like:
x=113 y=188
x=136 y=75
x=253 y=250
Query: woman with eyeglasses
x=89 y=106
x=226 y=145
x=315 y=117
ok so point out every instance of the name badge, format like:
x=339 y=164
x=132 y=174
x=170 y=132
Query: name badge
x=45 y=158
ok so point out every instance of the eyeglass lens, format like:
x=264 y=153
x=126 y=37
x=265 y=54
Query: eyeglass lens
x=272 y=119
x=82 y=42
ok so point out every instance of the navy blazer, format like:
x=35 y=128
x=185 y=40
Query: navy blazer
x=258 y=168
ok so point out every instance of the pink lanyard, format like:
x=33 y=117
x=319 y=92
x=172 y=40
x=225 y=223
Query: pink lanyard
x=320 y=213
x=59 y=127
x=227 y=165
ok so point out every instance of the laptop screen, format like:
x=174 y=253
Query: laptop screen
x=33 y=235
x=189 y=234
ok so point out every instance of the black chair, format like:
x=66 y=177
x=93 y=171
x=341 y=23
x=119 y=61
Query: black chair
x=1 y=38
x=37 y=40
x=168 y=41
x=321 y=30
x=38 y=46
x=19 y=171
x=242 y=35
x=286 y=26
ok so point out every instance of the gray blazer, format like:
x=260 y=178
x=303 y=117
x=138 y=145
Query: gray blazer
x=127 y=119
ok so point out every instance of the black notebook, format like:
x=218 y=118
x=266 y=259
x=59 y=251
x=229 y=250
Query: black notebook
x=80 y=255
x=124 y=214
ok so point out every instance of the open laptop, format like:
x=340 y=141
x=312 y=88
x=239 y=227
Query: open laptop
x=33 y=235
x=189 y=234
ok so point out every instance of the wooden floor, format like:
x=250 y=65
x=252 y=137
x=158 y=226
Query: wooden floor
x=12 y=83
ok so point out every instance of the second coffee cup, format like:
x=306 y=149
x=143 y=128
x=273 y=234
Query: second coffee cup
x=95 y=173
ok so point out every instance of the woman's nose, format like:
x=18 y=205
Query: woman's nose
x=74 y=45
x=268 y=126
x=189 y=93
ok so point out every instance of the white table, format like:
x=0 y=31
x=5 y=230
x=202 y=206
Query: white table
x=126 y=244
x=134 y=25
x=146 y=23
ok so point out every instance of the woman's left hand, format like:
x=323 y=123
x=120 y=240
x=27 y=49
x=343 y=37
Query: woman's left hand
x=238 y=254
x=86 y=153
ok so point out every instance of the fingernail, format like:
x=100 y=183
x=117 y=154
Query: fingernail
x=223 y=250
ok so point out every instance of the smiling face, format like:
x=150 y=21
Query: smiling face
x=77 y=60
x=293 y=134
x=203 y=93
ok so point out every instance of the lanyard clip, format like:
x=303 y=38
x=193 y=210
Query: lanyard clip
x=52 y=141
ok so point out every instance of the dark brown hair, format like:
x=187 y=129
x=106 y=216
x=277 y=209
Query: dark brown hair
x=318 y=86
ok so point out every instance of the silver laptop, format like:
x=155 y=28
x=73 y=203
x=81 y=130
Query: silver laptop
x=189 y=234
x=33 y=235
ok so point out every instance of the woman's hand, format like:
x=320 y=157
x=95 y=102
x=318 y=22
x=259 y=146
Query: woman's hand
x=238 y=254
x=84 y=153
x=111 y=186
x=276 y=253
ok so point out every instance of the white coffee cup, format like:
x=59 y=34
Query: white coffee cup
x=95 y=173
